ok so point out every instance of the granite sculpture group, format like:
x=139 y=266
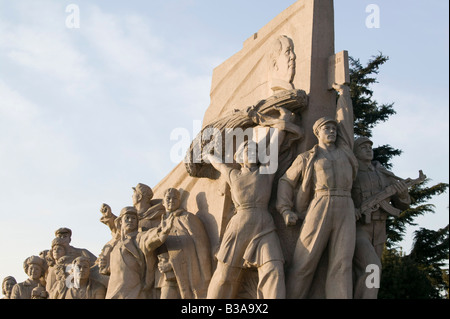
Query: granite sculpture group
x=225 y=224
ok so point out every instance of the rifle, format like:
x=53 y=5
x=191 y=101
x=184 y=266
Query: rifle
x=381 y=200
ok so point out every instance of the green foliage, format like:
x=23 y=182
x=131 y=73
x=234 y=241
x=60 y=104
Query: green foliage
x=402 y=279
x=419 y=275
x=431 y=247
x=368 y=113
x=384 y=154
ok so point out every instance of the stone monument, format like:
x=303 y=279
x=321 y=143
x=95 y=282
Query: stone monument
x=298 y=44
x=271 y=199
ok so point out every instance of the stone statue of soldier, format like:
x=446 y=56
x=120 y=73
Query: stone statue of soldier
x=149 y=212
x=317 y=188
x=128 y=260
x=372 y=178
x=66 y=235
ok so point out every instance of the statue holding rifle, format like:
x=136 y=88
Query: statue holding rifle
x=376 y=193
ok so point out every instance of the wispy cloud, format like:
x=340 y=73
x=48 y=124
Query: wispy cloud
x=85 y=114
x=28 y=143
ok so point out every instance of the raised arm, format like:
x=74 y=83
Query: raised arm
x=155 y=237
x=344 y=115
x=218 y=164
x=108 y=218
x=280 y=126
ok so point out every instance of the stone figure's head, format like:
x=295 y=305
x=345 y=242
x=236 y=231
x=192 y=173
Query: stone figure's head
x=247 y=154
x=172 y=199
x=325 y=130
x=65 y=234
x=34 y=267
x=82 y=266
x=362 y=148
x=7 y=285
x=58 y=248
x=128 y=219
x=282 y=64
x=142 y=193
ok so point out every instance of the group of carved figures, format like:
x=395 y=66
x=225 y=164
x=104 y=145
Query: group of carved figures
x=156 y=251
x=159 y=250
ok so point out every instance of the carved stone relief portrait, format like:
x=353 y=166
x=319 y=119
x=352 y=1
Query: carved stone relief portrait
x=281 y=64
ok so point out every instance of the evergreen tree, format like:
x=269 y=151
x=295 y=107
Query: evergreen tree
x=402 y=278
x=419 y=274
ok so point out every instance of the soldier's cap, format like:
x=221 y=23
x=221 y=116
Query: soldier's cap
x=143 y=189
x=63 y=230
x=322 y=121
x=128 y=210
x=361 y=140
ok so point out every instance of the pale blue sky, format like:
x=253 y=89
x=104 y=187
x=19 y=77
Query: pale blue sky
x=85 y=114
